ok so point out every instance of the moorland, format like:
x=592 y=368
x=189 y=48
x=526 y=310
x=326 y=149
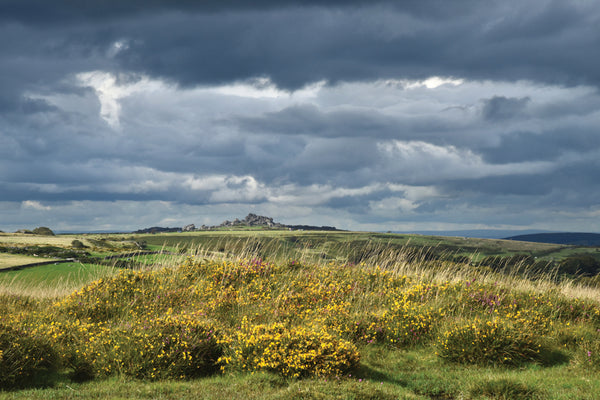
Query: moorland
x=283 y=314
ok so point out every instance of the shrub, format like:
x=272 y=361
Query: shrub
x=408 y=322
x=292 y=352
x=23 y=357
x=358 y=328
x=492 y=342
x=169 y=348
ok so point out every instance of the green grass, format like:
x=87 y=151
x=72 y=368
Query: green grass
x=413 y=374
x=337 y=244
x=53 y=279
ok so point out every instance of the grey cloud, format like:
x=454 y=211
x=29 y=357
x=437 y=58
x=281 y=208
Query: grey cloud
x=545 y=146
x=500 y=108
x=307 y=119
x=576 y=184
x=41 y=12
x=347 y=162
x=294 y=45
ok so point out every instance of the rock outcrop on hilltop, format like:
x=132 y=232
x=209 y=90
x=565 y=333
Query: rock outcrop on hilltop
x=251 y=220
x=189 y=228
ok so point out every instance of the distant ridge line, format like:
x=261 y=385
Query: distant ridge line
x=567 y=238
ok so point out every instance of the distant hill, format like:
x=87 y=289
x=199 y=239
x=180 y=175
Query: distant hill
x=570 y=238
x=476 y=233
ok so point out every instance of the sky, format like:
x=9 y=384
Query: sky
x=364 y=115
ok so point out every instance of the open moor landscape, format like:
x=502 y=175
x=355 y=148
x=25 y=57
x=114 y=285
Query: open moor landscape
x=283 y=314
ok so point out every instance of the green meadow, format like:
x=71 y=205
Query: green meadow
x=300 y=315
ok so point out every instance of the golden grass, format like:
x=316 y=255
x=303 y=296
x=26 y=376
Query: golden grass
x=18 y=239
x=10 y=260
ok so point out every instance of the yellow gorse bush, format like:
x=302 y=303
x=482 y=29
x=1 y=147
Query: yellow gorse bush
x=292 y=352
x=494 y=342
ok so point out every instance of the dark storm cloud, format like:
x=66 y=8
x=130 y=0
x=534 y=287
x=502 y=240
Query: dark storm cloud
x=297 y=42
x=546 y=146
x=41 y=11
x=297 y=46
x=314 y=107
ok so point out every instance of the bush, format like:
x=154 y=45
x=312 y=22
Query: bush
x=169 y=348
x=23 y=357
x=292 y=352
x=492 y=342
x=408 y=323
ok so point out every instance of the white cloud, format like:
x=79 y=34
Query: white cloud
x=422 y=161
x=391 y=205
x=313 y=195
x=432 y=82
x=35 y=205
x=117 y=47
x=110 y=91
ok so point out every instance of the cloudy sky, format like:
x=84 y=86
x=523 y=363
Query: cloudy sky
x=365 y=115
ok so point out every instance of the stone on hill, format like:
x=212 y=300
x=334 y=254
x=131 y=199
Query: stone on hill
x=189 y=228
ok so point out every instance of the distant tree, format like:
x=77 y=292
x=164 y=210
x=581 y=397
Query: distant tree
x=42 y=230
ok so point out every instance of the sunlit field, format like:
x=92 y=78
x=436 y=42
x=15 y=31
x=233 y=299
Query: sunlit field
x=246 y=320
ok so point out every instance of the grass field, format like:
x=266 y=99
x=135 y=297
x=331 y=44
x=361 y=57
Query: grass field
x=50 y=281
x=17 y=239
x=10 y=260
x=338 y=245
x=286 y=315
